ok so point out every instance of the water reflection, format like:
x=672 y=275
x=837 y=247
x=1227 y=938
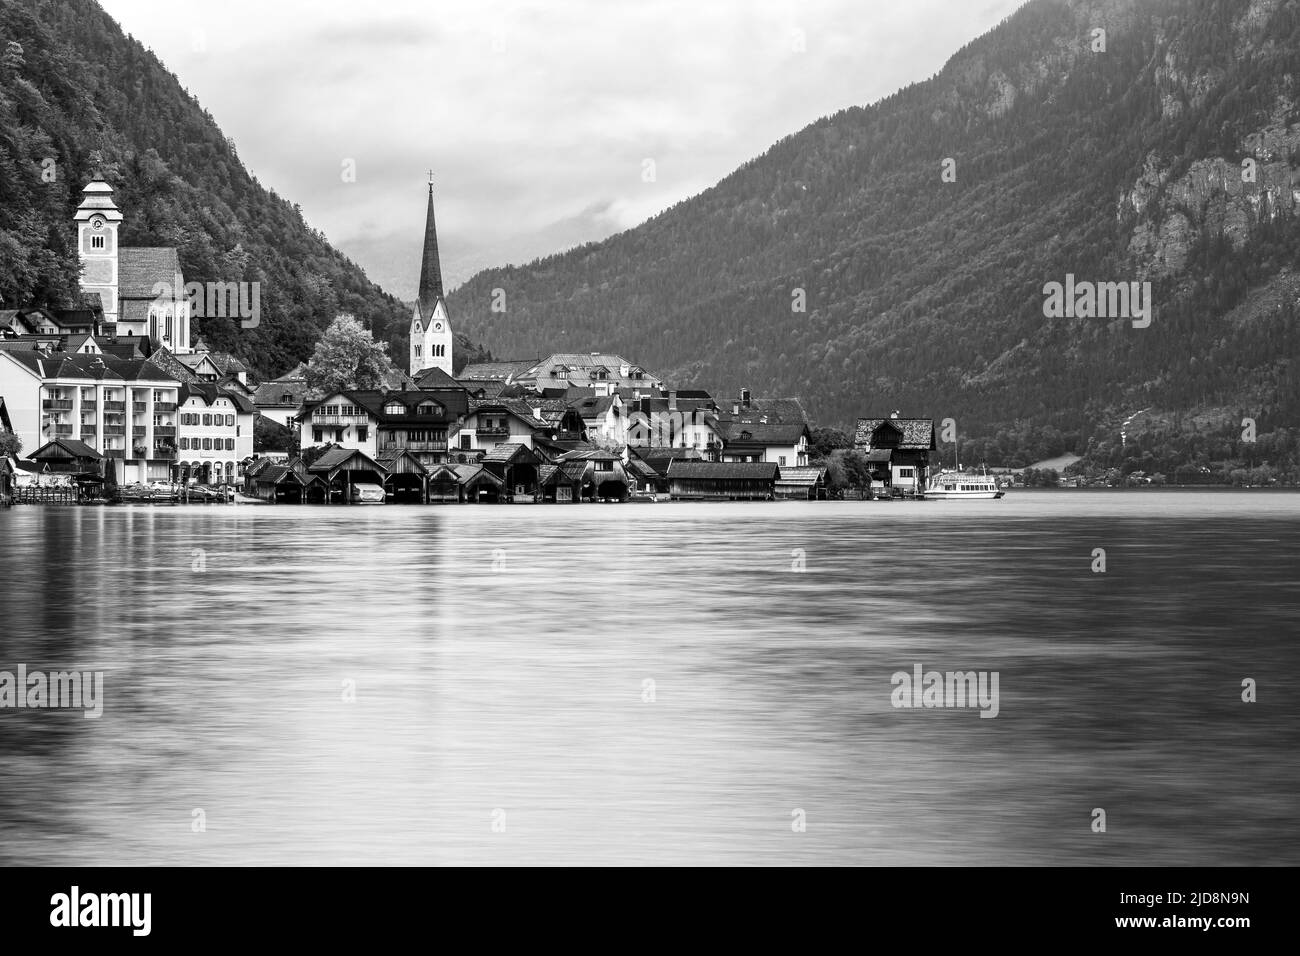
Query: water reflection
x=500 y=658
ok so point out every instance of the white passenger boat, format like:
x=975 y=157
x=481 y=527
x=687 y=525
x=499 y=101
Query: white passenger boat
x=962 y=484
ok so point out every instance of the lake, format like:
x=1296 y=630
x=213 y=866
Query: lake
x=694 y=683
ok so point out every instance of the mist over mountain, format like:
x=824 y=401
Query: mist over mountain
x=1104 y=139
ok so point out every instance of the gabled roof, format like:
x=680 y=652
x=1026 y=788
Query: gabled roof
x=209 y=392
x=768 y=434
x=723 y=469
x=352 y=459
x=280 y=393
x=510 y=453
x=516 y=407
x=174 y=366
x=139 y=269
x=775 y=410
x=401 y=460
x=483 y=388
x=801 y=476
x=436 y=378
x=63 y=449
x=502 y=371
x=473 y=474
x=917 y=433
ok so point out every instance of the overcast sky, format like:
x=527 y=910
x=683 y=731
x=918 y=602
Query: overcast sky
x=537 y=118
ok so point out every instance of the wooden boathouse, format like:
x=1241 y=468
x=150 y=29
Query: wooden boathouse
x=722 y=481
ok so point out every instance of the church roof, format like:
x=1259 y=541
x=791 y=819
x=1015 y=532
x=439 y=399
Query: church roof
x=140 y=269
x=430 y=268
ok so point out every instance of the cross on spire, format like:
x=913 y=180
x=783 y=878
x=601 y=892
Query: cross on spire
x=431 y=180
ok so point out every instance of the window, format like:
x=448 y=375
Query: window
x=331 y=409
x=97 y=242
x=316 y=435
x=207 y=420
x=906 y=473
x=185 y=444
x=781 y=460
x=465 y=442
x=417 y=351
x=230 y=421
x=394 y=408
x=363 y=433
x=207 y=444
x=230 y=444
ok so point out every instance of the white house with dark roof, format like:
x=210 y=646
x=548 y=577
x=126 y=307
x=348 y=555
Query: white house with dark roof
x=214 y=433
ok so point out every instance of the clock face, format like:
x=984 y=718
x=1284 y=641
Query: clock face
x=97 y=222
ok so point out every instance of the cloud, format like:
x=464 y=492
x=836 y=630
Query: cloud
x=532 y=114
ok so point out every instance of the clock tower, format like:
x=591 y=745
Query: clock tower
x=430 y=327
x=97 y=219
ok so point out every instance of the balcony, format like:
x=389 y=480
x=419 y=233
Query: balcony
x=139 y=408
x=88 y=436
x=138 y=431
x=414 y=446
x=114 y=406
x=114 y=429
x=494 y=431
x=118 y=453
x=164 y=454
x=164 y=406
x=63 y=430
x=164 y=431
x=57 y=404
x=340 y=419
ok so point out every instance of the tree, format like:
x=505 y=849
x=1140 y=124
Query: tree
x=10 y=444
x=823 y=441
x=313 y=454
x=346 y=357
x=270 y=435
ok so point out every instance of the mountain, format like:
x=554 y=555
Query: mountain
x=78 y=97
x=1112 y=157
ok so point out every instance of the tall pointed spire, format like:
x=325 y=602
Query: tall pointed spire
x=430 y=269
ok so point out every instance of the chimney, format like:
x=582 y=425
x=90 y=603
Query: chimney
x=672 y=399
x=744 y=397
x=735 y=408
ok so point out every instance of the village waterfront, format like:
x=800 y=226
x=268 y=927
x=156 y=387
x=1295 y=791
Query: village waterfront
x=680 y=683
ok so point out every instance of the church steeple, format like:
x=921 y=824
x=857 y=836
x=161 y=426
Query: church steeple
x=431 y=340
x=430 y=268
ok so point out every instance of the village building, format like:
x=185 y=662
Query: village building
x=490 y=423
x=214 y=433
x=425 y=422
x=677 y=420
x=280 y=399
x=897 y=450
x=782 y=444
x=124 y=409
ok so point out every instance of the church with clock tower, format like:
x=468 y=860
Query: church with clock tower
x=430 y=327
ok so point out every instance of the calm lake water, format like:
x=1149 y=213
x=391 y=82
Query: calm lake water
x=500 y=657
